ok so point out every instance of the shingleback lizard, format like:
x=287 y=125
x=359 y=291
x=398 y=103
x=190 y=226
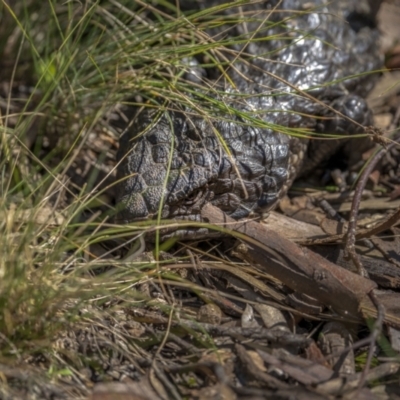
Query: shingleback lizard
x=303 y=65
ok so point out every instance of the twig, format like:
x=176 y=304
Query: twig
x=386 y=224
x=350 y=237
x=379 y=245
x=330 y=211
x=376 y=331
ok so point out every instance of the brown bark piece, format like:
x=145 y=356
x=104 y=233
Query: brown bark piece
x=292 y=228
x=298 y=268
x=385 y=274
x=307 y=373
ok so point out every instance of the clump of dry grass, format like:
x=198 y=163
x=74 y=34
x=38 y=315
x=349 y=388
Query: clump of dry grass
x=65 y=66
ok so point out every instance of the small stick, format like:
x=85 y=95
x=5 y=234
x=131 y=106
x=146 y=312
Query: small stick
x=376 y=331
x=355 y=206
x=330 y=211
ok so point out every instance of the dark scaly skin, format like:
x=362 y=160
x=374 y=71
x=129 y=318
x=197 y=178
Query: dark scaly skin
x=261 y=162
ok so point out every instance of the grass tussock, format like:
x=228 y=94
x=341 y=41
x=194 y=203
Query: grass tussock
x=64 y=67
